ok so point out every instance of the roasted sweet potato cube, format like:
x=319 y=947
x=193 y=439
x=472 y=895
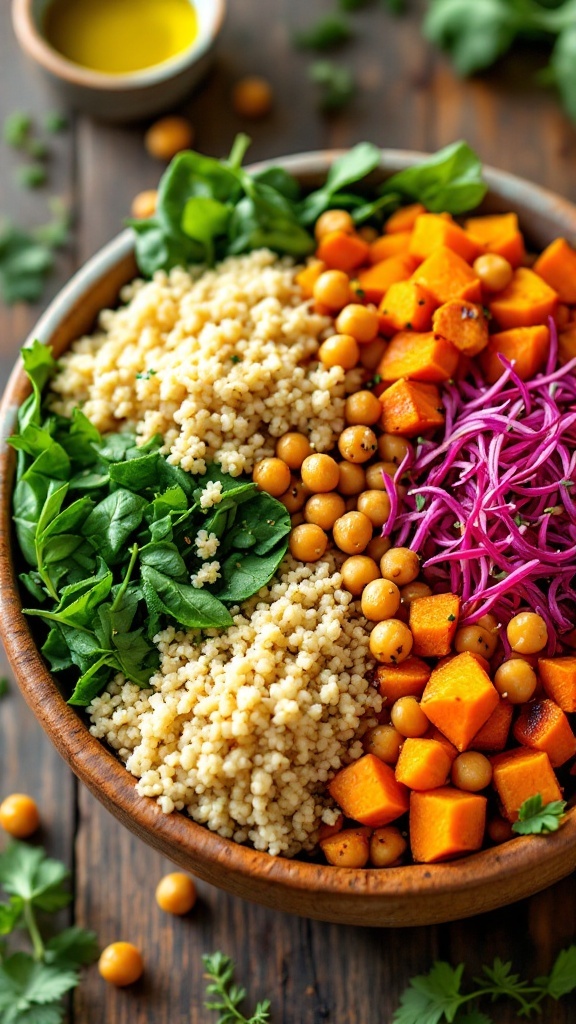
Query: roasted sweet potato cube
x=376 y=280
x=411 y=408
x=525 y=302
x=459 y=698
x=526 y=347
x=445 y=823
x=389 y=245
x=404 y=219
x=367 y=791
x=432 y=231
x=423 y=764
x=433 y=621
x=463 y=324
x=422 y=357
x=405 y=680
x=558 y=677
x=447 y=276
x=542 y=725
x=557 y=266
x=520 y=773
x=493 y=736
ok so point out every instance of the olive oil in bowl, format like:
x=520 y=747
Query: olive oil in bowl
x=119 y=37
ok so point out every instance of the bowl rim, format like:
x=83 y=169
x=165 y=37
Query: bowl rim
x=39 y=49
x=222 y=861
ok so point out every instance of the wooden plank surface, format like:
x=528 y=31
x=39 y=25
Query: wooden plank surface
x=408 y=98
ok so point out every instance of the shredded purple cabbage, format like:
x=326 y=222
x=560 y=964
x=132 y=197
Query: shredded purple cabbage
x=491 y=508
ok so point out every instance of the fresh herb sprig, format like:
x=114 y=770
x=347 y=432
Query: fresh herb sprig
x=226 y=997
x=477 y=34
x=437 y=996
x=32 y=985
x=28 y=257
x=4 y=686
x=537 y=818
x=108 y=530
x=208 y=209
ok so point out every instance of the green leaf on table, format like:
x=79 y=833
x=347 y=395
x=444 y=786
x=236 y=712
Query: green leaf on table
x=27 y=983
x=563 y=68
x=474 y=34
x=10 y=914
x=562 y=977
x=327 y=32
x=448 y=181
x=27 y=872
x=535 y=817
x=4 y=686
x=74 y=947
x=16 y=129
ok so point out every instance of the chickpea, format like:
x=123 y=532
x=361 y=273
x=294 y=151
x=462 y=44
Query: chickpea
x=489 y=622
x=371 y=354
x=362 y=408
x=352 y=479
x=144 y=204
x=391 y=643
x=357 y=444
x=499 y=830
x=377 y=547
x=380 y=600
x=168 y=136
x=357 y=572
x=375 y=505
x=333 y=220
x=412 y=591
x=359 y=321
x=401 y=565
x=320 y=473
x=332 y=289
x=374 y=474
x=339 y=350
x=19 y=815
x=387 y=845
x=293 y=448
x=121 y=964
x=515 y=680
x=408 y=718
x=527 y=633
x=351 y=850
x=176 y=893
x=324 y=509
x=272 y=475
x=494 y=271
x=471 y=771
x=385 y=742
x=393 y=448
x=476 y=640
x=295 y=497
x=352 y=532
x=252 y=97
x=308 y=542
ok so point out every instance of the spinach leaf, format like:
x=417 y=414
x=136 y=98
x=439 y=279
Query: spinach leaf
x=260 y=525
x=347 y=170
x=450 y=181
x=563 y=68
x=112 y=522
x=40 y=366
x=474 y=34
x=204 y=220
x=196 y=609
x=164 y=557
x=244 y=574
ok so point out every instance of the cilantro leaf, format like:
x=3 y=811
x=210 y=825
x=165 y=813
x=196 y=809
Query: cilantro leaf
x=535 y=818
x=16 y=129
x=431 y=997
x=74 y=947
x=562 y=977
x=27 y=872
x=10 y=914
x=325 y=34
x=336 y=82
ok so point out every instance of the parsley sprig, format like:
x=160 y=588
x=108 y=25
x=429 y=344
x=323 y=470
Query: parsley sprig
x=32 y=985
x=437 y=996
x=536 y=818
x=228 y=996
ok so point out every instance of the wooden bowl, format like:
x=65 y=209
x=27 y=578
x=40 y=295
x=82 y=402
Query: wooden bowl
x=122 y=97
x=413 y=895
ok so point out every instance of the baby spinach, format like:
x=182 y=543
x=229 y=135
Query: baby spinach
x=111 y=567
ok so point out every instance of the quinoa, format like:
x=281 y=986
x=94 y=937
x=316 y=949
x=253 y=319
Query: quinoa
x=216 y=361
x=244 y=729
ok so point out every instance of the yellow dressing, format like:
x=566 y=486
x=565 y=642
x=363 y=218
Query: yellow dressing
x=120 y=36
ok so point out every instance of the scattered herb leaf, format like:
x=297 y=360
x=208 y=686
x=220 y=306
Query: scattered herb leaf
x=32 y=176
x=55 y=122
x=4 y=686
x=336 y=83
x=535 y=818
x=225 y=996
x=326 y=33
x=16 y=129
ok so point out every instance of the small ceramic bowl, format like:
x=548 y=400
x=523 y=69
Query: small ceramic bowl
x=416 y=894
x=126 y=97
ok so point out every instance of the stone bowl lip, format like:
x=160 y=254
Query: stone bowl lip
x=411 y=895
x=39 y=50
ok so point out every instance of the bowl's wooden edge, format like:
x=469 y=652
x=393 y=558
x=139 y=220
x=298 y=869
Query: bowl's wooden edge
x=412 y=895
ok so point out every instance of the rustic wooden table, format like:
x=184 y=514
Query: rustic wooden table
x=312 y=972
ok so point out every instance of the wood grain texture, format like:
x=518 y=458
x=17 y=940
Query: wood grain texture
x=313 y=972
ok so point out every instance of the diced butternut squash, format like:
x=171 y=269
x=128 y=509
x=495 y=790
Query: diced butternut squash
x=434 y=734
x=423 y=764
x=389 y=245
x=542 y=725
x=433 y=622
x=491 y=227
x=520 y=773
x=349 y=848
x=526 y=347
x=493 y=736
x=307 y=277
x=342 y=251
x=405 y=680
x=557 y=266
x=404 y=219
x=459 y=698
x=407 y=306
x=525 y=302
x=367 y=791
x=511 y=247
x=432 y=232
x=446 y=823
x=410 y=408
x=415 y=356
x=447 y=276
x=567 y=344
x=463 y=324
x=558 y=676
x=375 y=281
